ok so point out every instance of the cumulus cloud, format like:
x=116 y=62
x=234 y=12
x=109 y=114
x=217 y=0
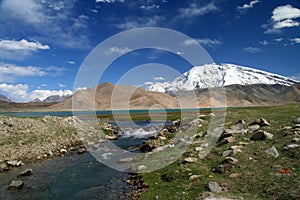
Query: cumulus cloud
x=250 y=5
x=21 y=45
x=20 y=92
x=23 y=48
x=10 y=72
x=283 y=17
x=295 y=40
x=203 y=41
x=252 y=49
x=195 y=10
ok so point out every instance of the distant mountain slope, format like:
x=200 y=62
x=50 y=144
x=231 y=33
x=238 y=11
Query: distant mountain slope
x=213 y=75
x=249 y=95
x=55 y=98
x=4 y=98
x=108 y=96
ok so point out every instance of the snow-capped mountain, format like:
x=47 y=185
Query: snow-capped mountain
x=213 y=75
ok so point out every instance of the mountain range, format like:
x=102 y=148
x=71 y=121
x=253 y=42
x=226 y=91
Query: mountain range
x=213 y=75
x=232 y=85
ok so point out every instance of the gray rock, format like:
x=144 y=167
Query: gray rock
x=227 y=152
x=273 y=152
x=261 y=135
x=14 y=163
x=190 y=160
x=16 y=185
x=296 y=139
x=141 y=168
x=253 y=128
x=214 y=187
x=291 y=146
x=193 y=177
x=264 y=122
x=229 y=160
x=297 y=120
x=124 y=160
x=81 y=150
x=3 y=167
x=26 y=172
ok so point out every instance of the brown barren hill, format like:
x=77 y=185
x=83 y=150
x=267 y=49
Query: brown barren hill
x=107 y=96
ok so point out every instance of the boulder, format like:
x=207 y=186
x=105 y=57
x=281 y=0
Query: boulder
x=25 y=172
x=16 y=185
x=214 y=187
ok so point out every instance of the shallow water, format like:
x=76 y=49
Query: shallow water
x=70 y=177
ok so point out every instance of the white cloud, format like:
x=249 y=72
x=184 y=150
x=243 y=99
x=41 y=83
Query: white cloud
x=203 y=41
x=159 y=78
x=150 y=7
x=21 y=45
x=180 y=52
x=70 y=62
x=9 y=72
x=148 y=83
x=279 y=39
x=49 y=19
x=61 y=85
x=80 y=88
x=252 y=49
x=250 y=5
x=295 y=40
x=195 y=10
x=282 y=17
x=20 y=93
x=285 y=12
x=265 y=42
x=109 y=1
x=140 y=22
x=118 y=50
x=286 y=23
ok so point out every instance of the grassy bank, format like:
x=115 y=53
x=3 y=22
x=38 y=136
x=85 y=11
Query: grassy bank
x=256 y=175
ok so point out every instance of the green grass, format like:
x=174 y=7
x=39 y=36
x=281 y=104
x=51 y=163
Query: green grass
x=257 y=180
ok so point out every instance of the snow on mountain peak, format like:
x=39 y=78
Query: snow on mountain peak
x=213 y=75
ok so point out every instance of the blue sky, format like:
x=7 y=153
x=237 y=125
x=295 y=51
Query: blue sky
x=44 y=42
